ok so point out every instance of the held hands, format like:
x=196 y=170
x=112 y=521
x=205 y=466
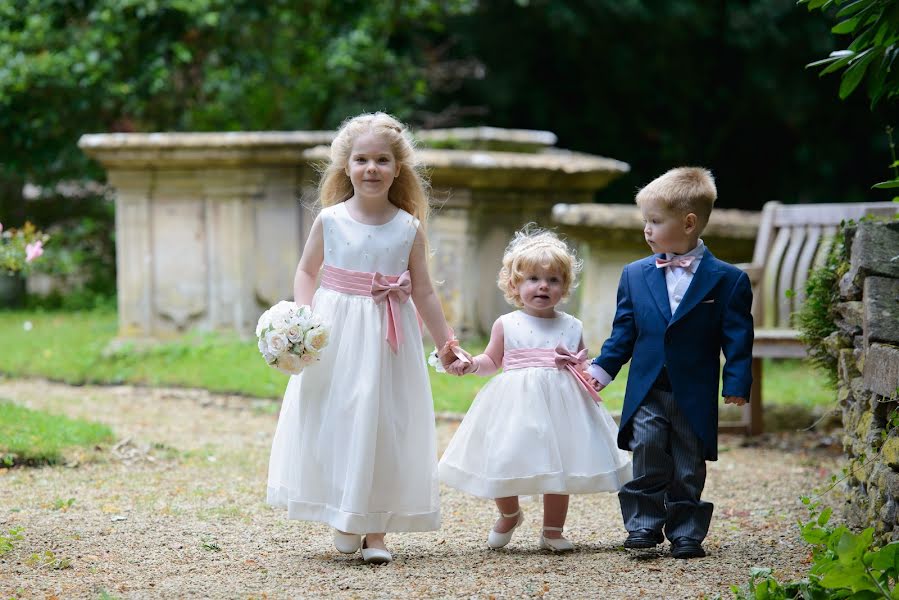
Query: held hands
x=455 y=359
x=596 y=385
x=735 y=400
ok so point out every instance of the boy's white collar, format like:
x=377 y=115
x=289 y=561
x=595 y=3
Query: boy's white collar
x=698 y=251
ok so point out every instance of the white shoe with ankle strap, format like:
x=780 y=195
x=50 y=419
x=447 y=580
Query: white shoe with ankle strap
x=559 y=544
x=375 y=556
x=496 y=539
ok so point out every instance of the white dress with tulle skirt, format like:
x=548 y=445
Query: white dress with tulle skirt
x=355 y=443
x=535 y=430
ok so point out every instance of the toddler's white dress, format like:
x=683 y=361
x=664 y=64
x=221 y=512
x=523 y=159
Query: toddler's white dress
x=355 y=444
x=535 y=430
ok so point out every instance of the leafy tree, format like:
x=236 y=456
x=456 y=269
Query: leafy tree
x=871 y=56
x=662 y=84
x=76 y=66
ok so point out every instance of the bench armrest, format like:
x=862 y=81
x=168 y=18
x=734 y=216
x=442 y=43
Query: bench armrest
x=754 y=272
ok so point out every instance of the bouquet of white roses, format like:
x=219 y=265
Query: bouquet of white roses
x=291 y=337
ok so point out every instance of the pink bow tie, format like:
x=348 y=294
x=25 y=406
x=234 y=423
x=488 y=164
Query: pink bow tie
x=566 y=360
x=395 y=293
x=675 y=261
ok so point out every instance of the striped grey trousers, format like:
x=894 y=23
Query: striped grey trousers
x=669 y=472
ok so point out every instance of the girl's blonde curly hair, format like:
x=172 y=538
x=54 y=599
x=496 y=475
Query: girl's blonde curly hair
x=533 y=247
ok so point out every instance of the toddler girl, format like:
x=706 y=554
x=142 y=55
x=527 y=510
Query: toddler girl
x=537 y=428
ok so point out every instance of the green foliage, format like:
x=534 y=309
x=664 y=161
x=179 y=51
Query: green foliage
x=844 y=565
x=816 y=318
x=77 y=66
x=9 y=539
x=82 y=260
x=34 y=437
x=740 y=87
x=14 y=245
x=874 y=27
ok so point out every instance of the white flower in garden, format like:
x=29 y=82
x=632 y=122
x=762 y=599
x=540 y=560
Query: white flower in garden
x=276 y=341
x=289 y=363
x=316 y=338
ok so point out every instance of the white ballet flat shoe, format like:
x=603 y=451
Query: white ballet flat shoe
x=555 y=544
x=375 y=556
x=347 y=543
x=496 y=539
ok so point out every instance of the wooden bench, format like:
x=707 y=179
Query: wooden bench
x=792 y=240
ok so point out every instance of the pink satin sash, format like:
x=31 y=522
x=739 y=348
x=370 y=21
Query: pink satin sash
x=559 y=358
x=394 y=289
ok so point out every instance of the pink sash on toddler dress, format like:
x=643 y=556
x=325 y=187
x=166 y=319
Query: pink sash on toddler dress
x=560 y=358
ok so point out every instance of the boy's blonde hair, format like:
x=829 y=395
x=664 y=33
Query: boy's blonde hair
x=532 y=247
x=684 y=190
x=409 y=190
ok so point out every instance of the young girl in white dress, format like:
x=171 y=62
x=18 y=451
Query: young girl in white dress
x=537 y=428
x=355 y=443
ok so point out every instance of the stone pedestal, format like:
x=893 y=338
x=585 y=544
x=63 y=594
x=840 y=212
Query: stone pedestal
x=206 y=225
x=209 y=227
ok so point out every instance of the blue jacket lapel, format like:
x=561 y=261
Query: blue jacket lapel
x=704 y=279
x=655 y=280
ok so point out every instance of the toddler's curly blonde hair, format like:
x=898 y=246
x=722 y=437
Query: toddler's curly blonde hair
x=533 y=247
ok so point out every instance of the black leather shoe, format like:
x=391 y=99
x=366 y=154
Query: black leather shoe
x=684 y=547
x=643 y=538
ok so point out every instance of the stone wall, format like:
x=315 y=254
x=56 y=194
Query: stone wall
x=866 y=346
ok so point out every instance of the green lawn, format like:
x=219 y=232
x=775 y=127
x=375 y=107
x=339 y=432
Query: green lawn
x=33 y=437
x=74 y=347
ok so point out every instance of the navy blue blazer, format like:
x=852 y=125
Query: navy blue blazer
x=714 y=316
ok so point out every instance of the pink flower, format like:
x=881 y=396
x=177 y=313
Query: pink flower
x=33 y=251
x=1 y=227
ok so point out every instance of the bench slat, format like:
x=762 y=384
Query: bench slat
x=769 y=282
x=787 y=271
x=805 y=261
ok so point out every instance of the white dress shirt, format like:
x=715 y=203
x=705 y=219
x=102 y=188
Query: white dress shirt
x=677 y=280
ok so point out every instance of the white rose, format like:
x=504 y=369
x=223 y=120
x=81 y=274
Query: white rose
x=303 y=322
x=276 y=341
x=316 y=320
x=304 y=311
x=316 y=338
x=265 y=320
x=266 y=351
x=294 y=334
x=308 y=358
x=289 y=363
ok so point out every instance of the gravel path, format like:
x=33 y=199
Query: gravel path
x=176 y=510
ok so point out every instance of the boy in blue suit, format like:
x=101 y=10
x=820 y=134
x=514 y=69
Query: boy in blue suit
x=677 y=311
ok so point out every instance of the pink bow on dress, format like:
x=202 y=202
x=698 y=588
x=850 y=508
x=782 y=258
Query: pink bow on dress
x=566 y=360
x=675 y=261
x=395 y=293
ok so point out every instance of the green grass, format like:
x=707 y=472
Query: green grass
x=33 y=437
x=72 y=347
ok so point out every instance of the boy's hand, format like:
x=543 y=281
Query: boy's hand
x=596 y=385
x=735 y=400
